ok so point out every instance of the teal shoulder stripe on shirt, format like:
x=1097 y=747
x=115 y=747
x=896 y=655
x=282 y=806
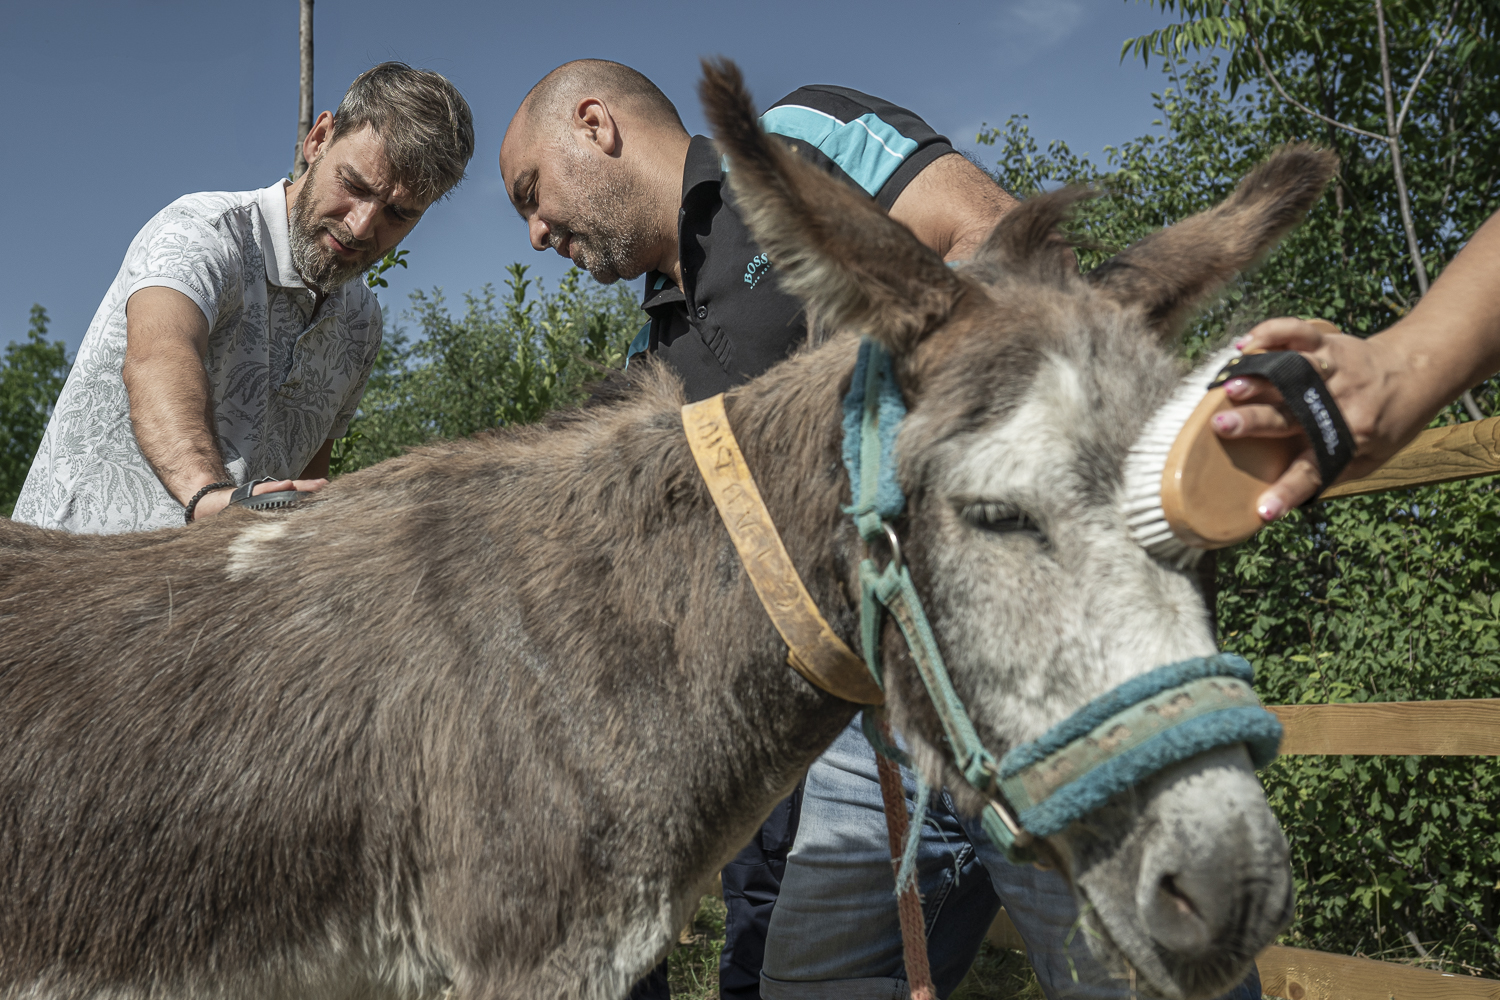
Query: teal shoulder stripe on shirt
x=867 y=149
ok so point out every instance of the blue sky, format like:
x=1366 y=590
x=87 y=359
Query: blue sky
x=113 y=109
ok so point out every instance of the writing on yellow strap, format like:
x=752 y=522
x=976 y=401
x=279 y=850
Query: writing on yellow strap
x=814 y=650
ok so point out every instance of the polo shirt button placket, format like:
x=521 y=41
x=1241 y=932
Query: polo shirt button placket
x=293 y=381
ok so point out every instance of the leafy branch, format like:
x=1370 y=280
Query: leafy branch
x=393 y=258
x=1220 y=30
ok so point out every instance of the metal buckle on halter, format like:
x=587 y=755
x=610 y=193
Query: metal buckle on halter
x=1000 y=809
x=1020 y=848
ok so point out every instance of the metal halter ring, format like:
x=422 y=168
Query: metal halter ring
x=894 y=543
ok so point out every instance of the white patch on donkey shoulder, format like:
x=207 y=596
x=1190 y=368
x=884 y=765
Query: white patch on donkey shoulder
x=646 y=935
x=247 y=552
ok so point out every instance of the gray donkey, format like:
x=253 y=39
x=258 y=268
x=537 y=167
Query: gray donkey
x=483 y=718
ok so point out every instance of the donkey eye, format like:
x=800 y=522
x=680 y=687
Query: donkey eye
x=1001 y=518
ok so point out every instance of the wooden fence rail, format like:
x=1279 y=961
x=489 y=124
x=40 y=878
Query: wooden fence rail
x=1440 y=455
x=1468 y=728
x=1297 y=974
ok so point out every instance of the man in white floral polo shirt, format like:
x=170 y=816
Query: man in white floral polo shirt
x=236 y=340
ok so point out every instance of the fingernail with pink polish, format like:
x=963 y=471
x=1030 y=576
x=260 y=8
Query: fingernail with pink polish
x=1236 y=387
x=1239 y=345
x=1226 y=421
x=1271 y=508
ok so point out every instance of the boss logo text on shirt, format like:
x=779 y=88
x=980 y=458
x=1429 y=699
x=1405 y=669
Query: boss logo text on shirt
x=757 y=269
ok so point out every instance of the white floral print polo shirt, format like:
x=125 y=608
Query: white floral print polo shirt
x=283 y=377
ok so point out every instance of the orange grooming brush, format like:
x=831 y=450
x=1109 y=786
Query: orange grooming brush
x=1188 y=490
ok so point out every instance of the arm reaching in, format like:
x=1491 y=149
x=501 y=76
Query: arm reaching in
x=171 y=409
x=951 y=206
x=1388 y=386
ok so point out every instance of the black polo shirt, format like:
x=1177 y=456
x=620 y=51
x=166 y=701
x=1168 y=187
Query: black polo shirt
x=731 y=320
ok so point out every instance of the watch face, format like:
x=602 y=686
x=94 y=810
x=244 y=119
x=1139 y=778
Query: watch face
x=273 y=501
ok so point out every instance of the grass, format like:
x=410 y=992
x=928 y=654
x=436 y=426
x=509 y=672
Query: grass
x=694 y=967
x=997 y=974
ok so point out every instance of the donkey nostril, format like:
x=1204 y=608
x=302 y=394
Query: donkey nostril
x=1184 y=905
x=1173 y=919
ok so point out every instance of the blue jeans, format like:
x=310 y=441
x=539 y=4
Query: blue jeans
x=751 y=882
x=835 y=933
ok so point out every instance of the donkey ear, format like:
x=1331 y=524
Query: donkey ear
x=836 y=251
x=1171 y=272
x=1029 y=240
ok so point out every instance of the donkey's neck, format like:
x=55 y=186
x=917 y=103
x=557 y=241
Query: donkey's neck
x=690 y=655
x=789 y=425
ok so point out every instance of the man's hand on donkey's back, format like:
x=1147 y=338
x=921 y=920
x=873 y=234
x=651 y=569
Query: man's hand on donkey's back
x=219 y=499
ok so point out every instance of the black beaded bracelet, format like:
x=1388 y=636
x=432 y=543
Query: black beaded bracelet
x=187 y=512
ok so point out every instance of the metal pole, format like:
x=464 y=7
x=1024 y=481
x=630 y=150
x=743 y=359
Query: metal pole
x=305 y=97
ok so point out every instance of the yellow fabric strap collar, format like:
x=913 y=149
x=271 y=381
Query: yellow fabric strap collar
x=814 y=651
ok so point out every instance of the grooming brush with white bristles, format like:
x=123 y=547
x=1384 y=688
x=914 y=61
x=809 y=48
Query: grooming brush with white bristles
x=1188 y=490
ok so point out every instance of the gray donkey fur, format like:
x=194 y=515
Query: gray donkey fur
x=484 y=717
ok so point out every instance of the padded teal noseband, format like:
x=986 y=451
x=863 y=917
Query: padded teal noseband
x=1114 y=742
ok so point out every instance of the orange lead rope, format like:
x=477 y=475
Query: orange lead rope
x=913 y=924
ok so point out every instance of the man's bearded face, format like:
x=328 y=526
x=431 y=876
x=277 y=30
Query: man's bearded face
x=608 y=234
x=320 y=265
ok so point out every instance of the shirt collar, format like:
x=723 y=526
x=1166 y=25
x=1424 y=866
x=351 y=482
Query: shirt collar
x=702 y=166
x=660 y=291
x=276 y=239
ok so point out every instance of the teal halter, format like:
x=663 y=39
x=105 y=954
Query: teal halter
x=1164 y=716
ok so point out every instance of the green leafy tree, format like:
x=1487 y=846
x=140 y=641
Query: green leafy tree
x=1405 y=90
x=1373 y=599
x=1385 y=598
x=31 y=375
x=1208 y=142
x=375 y=276
x=506 y=360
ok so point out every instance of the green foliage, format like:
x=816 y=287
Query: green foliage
x=31 y=375
x=1384 y=598
x=505 y=360
x=693 y=967
x=1327 y=57
x=374 y=277
x=1369 y=599
x=1208 y=143
x=999 y=974
x=1348 y=263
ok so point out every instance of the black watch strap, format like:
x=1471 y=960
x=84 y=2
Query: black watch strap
x=1307 y=398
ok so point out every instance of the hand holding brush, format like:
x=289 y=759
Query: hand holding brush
x=1389 y=386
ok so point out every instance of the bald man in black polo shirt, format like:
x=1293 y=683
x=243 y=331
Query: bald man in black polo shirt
x=598 y=164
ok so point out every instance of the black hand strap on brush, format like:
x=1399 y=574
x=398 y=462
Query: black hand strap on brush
x=1308 y=399
x=243 y=496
